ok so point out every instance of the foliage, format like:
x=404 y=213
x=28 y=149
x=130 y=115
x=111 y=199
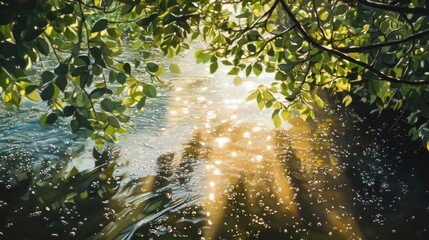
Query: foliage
x=61 y=204
x=372 y=51
x=88 y=82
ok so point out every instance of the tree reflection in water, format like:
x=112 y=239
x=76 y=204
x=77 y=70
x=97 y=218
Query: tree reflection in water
x=246 y=182
x=315 y=180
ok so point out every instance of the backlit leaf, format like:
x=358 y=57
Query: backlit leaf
x=149 y=90
x=174 y=68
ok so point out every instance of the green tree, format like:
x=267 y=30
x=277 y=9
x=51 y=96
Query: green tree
x=370 y=51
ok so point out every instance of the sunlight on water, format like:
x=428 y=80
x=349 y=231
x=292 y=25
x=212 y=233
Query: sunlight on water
x=201 y=163
x=221 y=141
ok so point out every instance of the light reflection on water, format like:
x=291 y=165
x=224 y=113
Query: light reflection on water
x=203 y=164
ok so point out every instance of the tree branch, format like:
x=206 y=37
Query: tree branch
x=384 y=44
x=307 y=37
x=394 y=8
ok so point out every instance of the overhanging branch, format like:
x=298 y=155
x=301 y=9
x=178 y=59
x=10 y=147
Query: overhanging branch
x=394 y=8
x=342 y=55
x=384 y=44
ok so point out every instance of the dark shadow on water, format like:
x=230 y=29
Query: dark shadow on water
x=388 y=173
x=343 y=177
x=62 y=206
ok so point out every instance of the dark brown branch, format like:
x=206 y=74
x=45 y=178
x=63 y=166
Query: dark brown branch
x=384 y=44
x=342 y=55
x=394 y=8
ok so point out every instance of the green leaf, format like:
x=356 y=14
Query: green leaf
x=285 y=115
x=237 y=80
x=48 y=92
x=128 y=102
x=121 y=78
x=85 y=78
x=341 y=9
x=251 y=48
x=248 y=70
x=51 y=118
x=47 y=76
x=30 y=89
x=114 y=32
x=83 y=122
x=226 y=63
x=324 y=16
x=233 y=71
x=107 y=105
x=280 y=76
x=174 y=68
x=97 y=55
x=112 y=76
x=74 y=125
x=61 y=82
x=123 y=118
x=141 y=103
x=33 y=95
x=286 y=68
x=389 y=59
x=160 y=70
x=61 y=69
x=69 y=110
x=260 y=101
x=127 y=68
x=149 y=90
x=152 y=67
x=83 y=195
x=257 y=69
x=98 y=92
x=252 y=95
x=318 y=101
x=113 y=122
x=347 y=100
x=42 y=46
x=31 y=34
x=100 y=25
x=276 y=119
x=213 y=67
x=82 y=100
x=79 y=70
x=70 y=34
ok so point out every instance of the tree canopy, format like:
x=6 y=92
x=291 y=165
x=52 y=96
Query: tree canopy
x=365 y=50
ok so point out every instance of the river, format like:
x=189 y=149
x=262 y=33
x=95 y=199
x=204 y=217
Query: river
x=202 y=163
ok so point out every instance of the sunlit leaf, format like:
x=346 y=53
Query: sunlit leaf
x=257 y=69
x=285 y=115
x=34 y=96
x=237 y=80
x=174 y=68
x=276 y=119
x=347 y=100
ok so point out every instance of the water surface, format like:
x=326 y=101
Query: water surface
x=201 y=163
